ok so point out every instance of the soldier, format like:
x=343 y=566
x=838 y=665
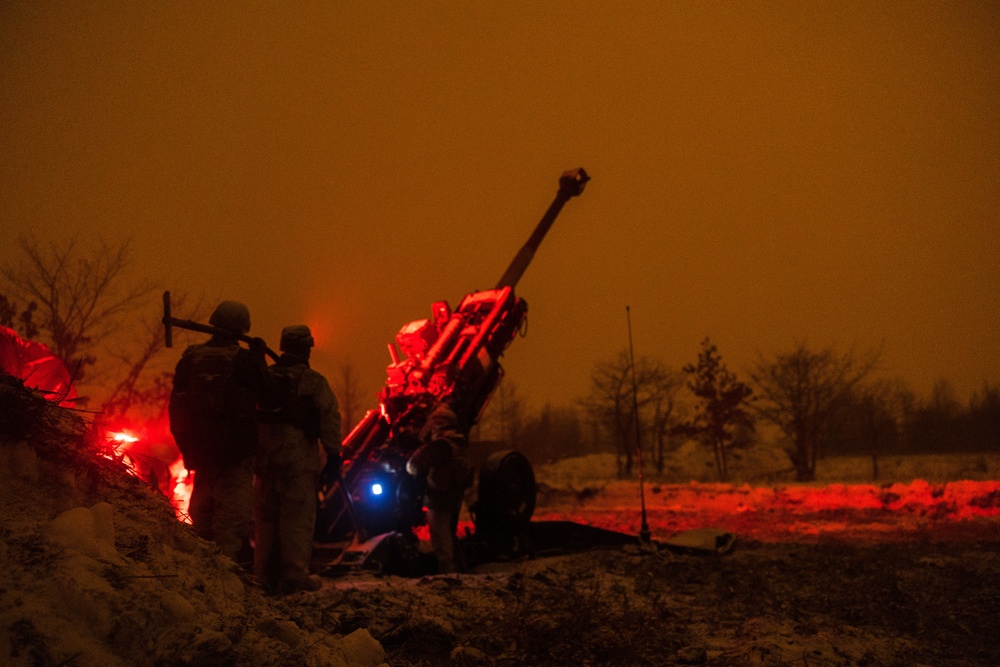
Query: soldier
x=442 y=462
x=216 y=388
x=301 y=414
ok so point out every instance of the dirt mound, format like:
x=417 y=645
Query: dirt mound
x=97 y=570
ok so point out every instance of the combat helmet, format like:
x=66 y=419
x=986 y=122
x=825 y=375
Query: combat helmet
x=297 y=335
x=232 y=316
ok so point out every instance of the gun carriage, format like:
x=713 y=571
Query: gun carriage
x=454 y=357
x=367 y=508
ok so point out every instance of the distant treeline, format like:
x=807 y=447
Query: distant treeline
x=894 y=425
x=899 y=423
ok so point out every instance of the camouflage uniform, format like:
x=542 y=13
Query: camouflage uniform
x=288 y=463
x=448 y=474
x=215 y=392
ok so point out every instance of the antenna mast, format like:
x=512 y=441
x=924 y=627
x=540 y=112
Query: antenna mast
x=644 y=533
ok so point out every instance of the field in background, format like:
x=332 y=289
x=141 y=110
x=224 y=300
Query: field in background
x=954 y=497
x=762 y=466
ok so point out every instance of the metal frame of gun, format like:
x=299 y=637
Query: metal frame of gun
x=451 y=356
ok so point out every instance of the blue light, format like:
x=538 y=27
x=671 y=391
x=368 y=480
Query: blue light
x=377 y=489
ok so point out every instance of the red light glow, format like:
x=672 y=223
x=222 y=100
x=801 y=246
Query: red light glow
x=149 y=454
x=183 y=484
x=858 y=512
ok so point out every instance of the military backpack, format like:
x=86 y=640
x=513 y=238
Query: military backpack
x=285 y=404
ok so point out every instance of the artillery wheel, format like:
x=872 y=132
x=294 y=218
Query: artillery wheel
x=507 y=494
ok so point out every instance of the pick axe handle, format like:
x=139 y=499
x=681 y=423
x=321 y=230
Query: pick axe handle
x=169 y=322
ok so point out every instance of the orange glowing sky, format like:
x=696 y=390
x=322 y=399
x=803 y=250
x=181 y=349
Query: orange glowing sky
x=763 y=173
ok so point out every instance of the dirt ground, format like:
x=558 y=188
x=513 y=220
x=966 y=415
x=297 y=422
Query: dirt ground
x=904 y=584
x=96 y=570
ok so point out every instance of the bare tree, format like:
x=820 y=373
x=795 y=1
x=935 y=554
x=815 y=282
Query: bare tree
x=984 y=418
x=23 y=322
x=885 y=406
x=938 y=425
x=664 y=413
x=554 y=433
x=799 y=392
x=83 y=295
x=610 y=401
x=722 y=405
x=350 y=397
x=81 y=298
x=944 y=400
x=145 y=377
x=504 y=417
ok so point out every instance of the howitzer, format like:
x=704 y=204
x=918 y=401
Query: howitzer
x=452 y=356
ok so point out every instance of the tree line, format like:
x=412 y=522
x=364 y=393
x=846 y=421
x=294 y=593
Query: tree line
x=78 y=299
x=821 y=401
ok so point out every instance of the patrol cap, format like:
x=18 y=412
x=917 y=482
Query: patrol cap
x=297 y=335
x=231 y=316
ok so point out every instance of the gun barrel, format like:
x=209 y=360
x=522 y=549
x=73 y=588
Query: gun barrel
x=570 y=185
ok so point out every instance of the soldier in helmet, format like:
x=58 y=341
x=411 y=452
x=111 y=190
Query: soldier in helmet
x=300 y=427
x=217 y=386
x=441 y=461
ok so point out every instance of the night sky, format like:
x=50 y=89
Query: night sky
x=764 y=173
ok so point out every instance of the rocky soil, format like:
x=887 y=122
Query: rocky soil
x=924 y=594
x=96 y=571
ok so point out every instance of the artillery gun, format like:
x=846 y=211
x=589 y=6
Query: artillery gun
x=452 y=356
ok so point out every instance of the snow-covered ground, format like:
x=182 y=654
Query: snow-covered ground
x=97 y=571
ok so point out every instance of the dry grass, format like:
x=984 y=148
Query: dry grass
x=766 y=466
x=821 y=604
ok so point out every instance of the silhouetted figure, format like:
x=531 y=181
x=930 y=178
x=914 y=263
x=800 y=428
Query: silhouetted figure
x=448 y=473
x=217 y=386
x=300 y=426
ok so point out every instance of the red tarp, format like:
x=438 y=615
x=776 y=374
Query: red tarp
x=37 y=366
